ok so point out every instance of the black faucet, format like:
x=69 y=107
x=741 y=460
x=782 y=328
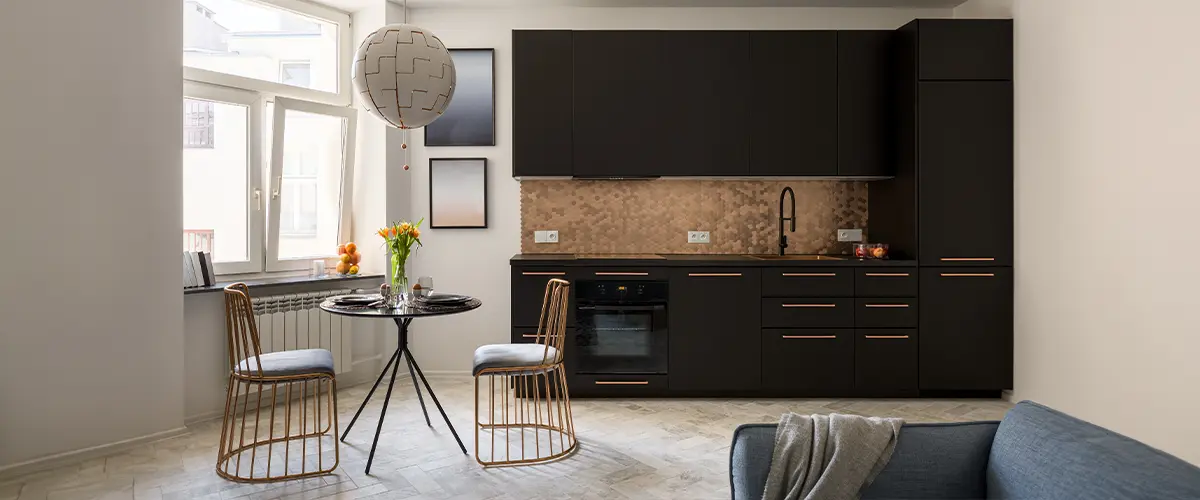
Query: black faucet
x=783 y=239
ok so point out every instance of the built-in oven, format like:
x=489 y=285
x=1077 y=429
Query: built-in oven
x=620 y=328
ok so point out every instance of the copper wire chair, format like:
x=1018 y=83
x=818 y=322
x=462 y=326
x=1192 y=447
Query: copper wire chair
x=528 y=418
x=289 y=435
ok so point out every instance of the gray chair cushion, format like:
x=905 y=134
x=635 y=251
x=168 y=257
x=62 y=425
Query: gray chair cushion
x=514 y=356
x=1042 y=453
x=287 y=363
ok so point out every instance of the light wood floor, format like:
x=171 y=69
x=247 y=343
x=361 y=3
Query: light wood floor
x=635 y=449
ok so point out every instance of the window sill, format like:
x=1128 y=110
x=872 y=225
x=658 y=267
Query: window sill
x=266 y=282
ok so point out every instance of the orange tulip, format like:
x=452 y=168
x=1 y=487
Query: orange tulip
x=383 y=233
x=416 y=233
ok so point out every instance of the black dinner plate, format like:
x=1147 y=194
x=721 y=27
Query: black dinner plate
x=356 y=300
x=446 y=299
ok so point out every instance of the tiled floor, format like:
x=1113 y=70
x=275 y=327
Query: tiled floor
x=636 y=449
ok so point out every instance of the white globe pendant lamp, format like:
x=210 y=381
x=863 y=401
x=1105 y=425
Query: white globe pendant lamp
x=403 y=74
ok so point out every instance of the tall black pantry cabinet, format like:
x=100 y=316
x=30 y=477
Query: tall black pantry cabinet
x=951 y=202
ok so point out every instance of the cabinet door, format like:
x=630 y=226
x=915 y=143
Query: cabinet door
x=966 y=325
x=966 y=173
x=542 y=103
x=618 y=79
x=529 y=292
x=864 y=127
x=885 y=362
x=715 y=342
x=965 y=49
x=706 y=103
x=808 y=361
x=793 y=121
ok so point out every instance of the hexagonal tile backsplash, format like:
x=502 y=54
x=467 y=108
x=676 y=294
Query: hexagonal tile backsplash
x=655 y=216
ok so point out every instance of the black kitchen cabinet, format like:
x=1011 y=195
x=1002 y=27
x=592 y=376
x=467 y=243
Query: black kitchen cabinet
x=706 y=100
x=793 y=118
x=966 y=328
x=964 y=49
x=965 y=138
x=542 y=100
x=864 y=126
x=529 y=292
x=618 y=124
x=885 y=362
x=808 y=361
x=715 y=340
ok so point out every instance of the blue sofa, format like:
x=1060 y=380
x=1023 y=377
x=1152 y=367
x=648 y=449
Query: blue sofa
x=1034 y=453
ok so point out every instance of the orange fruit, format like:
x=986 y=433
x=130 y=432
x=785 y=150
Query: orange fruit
x=353 y=269
x=351 y=247
x=341 y=249
x=345 y=258
x=355 y=257
x=342 y=267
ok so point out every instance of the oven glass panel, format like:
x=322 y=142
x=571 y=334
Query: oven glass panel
x=620 y=339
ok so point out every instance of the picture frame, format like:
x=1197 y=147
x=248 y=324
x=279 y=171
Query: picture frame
x=458 y=193
x=470 y=119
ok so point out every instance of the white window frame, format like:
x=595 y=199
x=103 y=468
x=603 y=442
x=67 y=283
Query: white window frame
x=254 y=169
x=350 y=115
x=343 y=97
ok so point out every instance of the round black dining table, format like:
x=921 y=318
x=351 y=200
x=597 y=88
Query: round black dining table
x=403 y=316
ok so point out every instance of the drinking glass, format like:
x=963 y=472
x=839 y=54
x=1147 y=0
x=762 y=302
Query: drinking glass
x=426 y=283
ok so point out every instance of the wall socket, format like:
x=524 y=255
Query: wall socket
x=545 y=236
x=698 y=237
x=849 y=235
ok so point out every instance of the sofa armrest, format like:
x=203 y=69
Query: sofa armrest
x=750 y=460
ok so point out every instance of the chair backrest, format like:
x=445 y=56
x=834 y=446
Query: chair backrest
x=241 y=330
x=552 y=324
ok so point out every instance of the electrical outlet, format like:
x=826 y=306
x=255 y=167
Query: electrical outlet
x=698 y=237
x=850 y=235
x=545 y=236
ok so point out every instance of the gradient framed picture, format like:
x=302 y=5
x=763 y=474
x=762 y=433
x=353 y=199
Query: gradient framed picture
x=457 y=193
x=470 y=119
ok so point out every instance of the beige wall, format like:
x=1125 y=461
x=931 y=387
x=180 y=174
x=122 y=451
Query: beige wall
x=90 y=175
x=1108 y=122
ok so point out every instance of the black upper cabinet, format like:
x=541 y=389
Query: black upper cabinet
x=793 y=117
x=965 y=49
x=864 y=123
x=542 y=101
x=715 y=337
x=965 y=137
x=618 y=122
x=705 y=104
x=966 y=318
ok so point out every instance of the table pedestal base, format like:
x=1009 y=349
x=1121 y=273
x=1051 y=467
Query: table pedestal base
x=402 y=354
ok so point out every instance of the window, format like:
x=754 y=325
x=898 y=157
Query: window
x=267 y=161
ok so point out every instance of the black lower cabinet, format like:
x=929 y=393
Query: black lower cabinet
x=714 y=329
x=808 y=361
x=617 y=385
x=885 y=362
x=966 y=325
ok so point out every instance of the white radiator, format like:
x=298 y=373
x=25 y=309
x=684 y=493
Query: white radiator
x=293 y=321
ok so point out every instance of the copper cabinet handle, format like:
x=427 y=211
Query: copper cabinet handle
x=530 y=335
x=543 y=273
x=886 y=305
x=809 y=336
x=968 y=275
x=889 y=275
x=809 y=305
x=714 y=275
x=622 y=382
x=967 y=259
x=808 y=275
x=886 y=336
x=621 y=274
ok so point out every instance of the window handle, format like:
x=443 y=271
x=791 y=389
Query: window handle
x=257 y=199
x=275 y=192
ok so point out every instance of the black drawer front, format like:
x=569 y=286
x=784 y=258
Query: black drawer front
x=885 y=313
x=528 y=292
x=807 y=282
x=618 y=385
x=886 y=282
x=529 y=335
x=808 y=360
x=808 y=312
x=885 y=362
x=623 y=273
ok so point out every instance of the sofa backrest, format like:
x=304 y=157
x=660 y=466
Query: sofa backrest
x=1042 y=453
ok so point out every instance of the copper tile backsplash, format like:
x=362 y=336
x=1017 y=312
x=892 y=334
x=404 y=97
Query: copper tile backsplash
x=654 y=216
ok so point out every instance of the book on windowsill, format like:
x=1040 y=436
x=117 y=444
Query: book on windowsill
x=189 y=274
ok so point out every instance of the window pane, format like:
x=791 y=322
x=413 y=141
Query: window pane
x=311 y=185
x=244 y=38
x=214 y=180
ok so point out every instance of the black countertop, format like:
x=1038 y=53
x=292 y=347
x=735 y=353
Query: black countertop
x=687 y=260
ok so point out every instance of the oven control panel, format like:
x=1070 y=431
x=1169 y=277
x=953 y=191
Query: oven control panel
x=621 y=291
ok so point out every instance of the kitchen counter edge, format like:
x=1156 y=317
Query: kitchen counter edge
x=695 y=260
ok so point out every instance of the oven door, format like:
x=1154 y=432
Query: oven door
x=613 y=339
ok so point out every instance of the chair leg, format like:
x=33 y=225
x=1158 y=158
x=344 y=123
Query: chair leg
x=539 y=402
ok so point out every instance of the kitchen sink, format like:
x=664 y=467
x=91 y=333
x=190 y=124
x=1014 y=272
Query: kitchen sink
x=795 y=257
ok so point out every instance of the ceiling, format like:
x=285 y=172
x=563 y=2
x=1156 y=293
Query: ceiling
x=353 y=5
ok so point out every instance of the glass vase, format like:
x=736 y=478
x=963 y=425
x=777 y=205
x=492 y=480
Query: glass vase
x=399 y=293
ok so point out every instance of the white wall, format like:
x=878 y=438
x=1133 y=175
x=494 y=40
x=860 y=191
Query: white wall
x=91 y=316
x=475 y=261
x=1106 y=180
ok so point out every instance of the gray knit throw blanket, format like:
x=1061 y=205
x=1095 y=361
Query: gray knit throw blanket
x=832 y=457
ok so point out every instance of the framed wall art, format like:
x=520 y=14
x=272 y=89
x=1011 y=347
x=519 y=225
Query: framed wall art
x=457 y=193
x=470 y=119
